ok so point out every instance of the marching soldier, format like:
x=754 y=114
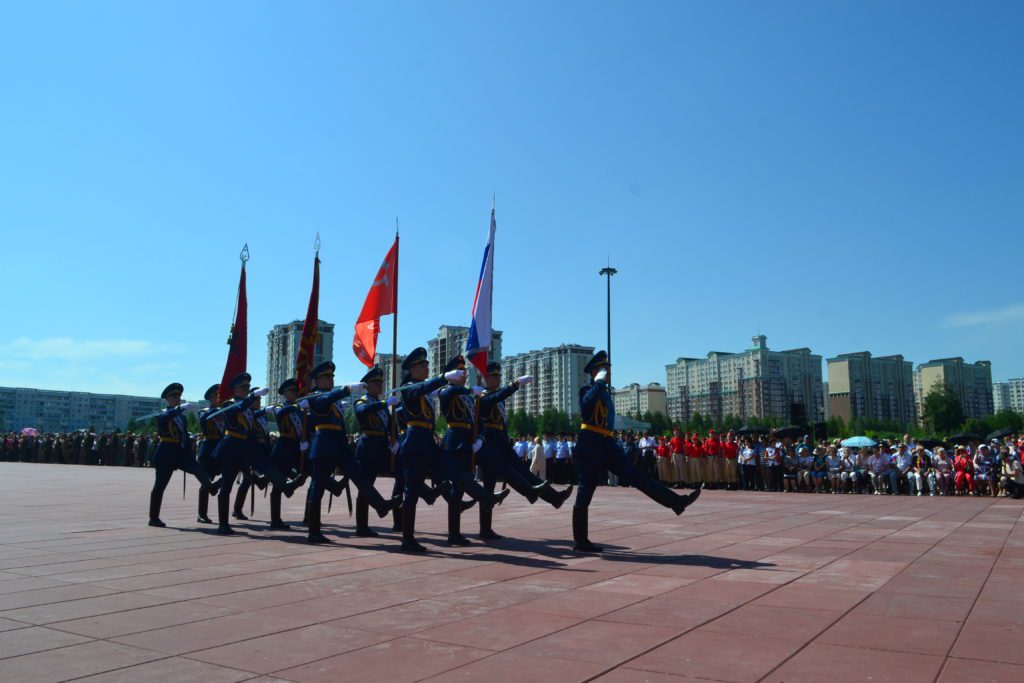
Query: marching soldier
x=173 y=453
x=460 y=443
x=330 y=450
x=237 y=449
x=212 y=431
x=419 y=451
x=290 y=447
x=598 y=453
x=499 y=459
x=261 y=442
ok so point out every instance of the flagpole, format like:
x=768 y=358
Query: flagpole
x=394 y=322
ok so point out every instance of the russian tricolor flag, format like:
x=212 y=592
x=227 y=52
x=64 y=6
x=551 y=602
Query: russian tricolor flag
x=478 y=344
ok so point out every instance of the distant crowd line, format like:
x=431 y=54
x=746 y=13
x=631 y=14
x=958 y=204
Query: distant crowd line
x=730 y=461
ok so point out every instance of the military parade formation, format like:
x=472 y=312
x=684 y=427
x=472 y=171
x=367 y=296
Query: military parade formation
x=313 y=446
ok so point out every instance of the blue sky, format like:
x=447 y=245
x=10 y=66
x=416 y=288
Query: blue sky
x=844 y=176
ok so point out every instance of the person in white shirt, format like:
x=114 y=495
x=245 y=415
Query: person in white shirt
x=538 y=461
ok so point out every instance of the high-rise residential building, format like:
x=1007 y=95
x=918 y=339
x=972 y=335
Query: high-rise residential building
x=824 y=394
x=757 y=383
x=1000 y=396
x=65 y=411
x=383 y=360
x=635 y=399
x=971 y=382
x=451 y=341
x=283 y=349
x=558 y=377
x=872 y=387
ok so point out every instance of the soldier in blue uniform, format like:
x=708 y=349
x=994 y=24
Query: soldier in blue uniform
x=172 y=453
x=597 y=453
x=212 y=431
x=330 y=450
x=237 y=450
x=250 y=477
x=290 y=447
x=498 y=458
x=461 y=441
x=419 y=451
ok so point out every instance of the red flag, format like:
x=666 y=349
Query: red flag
x=381 y=300
x=304 y=362
x=236 y=342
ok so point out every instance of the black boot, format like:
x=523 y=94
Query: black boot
x=363 y=529
x=409 y=543
x=383 y=506
x=313 y=516
x=240 y=494
x=204 y=508
x=222 y=517
x=430 y=494
x=552 y=496
x=683 y=502
x=486 y=532
x=455 y=536
x=467 y=504
x=579 y=531
x=275 y=511
x=396 y=514
x=155 y=499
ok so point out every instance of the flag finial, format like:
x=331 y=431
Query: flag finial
x=316 y=243
x=396 y=226
x=244 y=255
x=494 y=199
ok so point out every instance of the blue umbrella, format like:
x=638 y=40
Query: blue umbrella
x=859 y=442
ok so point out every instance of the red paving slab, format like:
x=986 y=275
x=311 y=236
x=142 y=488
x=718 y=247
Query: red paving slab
x=743 y=587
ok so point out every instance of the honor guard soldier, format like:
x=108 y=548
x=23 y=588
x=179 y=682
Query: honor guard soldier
x=419 y=451
x=261 y=442
x=172 y=453
x=237 y=449
x=377 y=446
x=598 y=452
x=330 y=450
x=212 y=431
x=499 y=460
x=291 y=445
x=460 y=443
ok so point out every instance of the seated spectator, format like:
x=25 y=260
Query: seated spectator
x=835 y=469
x=940 y=475
x=918 y=470
x=986 y=472
x=819 y=470
x=879 y=472
x=1012 y=474
x=902 y=462
x=963 y=468
x=790 y=467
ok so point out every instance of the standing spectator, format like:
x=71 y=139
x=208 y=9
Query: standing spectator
x=730 y=449
x=748 y=465
x=563 y=459
x=790 y=470
x=666 y=472
x=963 y=468
x=713 y=459
x=549 y=455
x=678 y=444
x=650 y=458
x=538 y=461
x=695 y=460
x=772 y=463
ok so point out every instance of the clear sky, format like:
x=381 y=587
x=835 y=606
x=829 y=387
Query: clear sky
x=844 y=176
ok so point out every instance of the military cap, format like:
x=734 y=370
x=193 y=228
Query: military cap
x=240 y=378
x=599 y=360
x=456 y=363
x=374 y=374
x=172 y=388
x=494 y=368
x=289 y=383
x=417 y=355
x=323 y=368
x=212 y=391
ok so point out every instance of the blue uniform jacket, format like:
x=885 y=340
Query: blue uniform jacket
x=458 y=408
x=326 y=417
x=418 y=413
x=492 y=414
x=597 y=409
x=172 y=428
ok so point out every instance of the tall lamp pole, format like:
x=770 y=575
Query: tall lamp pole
x=609 y=271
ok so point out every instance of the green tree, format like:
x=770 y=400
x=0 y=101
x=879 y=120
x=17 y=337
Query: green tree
x=942 y=410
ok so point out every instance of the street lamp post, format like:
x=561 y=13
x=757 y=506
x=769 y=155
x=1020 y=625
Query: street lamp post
x=609 y=271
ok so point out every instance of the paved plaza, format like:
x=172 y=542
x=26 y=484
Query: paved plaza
x=742 y=587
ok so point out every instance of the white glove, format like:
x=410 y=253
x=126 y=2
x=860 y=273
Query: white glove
x=187 y=407
x=304 y=404
x=434 y=393
x=357 y=388
x=261 y=392
x=393 y=400
x=478 y=444
x=453 y=375
x=525 y=380
x=303 y=446
x=477 y=390
x=602 y=375
x=394 y=448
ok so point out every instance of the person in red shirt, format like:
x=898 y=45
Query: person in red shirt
x=730 y=471
x=664 y=453
x=695 y=459
x=678 y=444
x=713 y=459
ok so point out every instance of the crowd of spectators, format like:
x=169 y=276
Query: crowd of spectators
x=751 y=462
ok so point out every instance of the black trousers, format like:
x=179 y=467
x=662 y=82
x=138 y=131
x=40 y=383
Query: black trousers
x=597 y=455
